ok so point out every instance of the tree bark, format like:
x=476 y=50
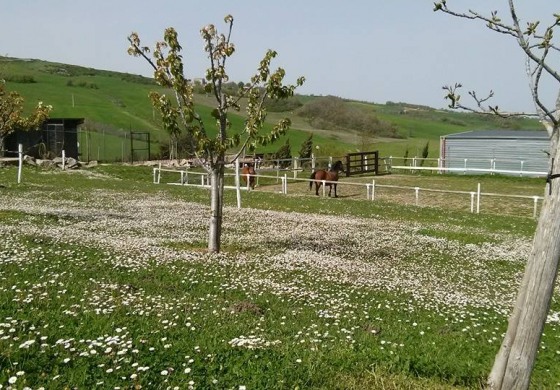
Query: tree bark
x=216 y=205
x=514 y=362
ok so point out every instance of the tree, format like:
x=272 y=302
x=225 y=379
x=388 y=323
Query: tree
x=11 y=114
x=306 y=147
x=283 y=154
x=515 y=360
x=167 y=63
x=425 y=152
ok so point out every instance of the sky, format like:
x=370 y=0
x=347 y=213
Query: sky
x=368 y=50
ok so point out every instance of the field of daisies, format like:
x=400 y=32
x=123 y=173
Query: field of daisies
x=105 y=283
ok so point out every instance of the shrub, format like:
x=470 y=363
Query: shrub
x=332 y=113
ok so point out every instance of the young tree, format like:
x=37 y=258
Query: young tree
x=168 y=66
x=425 y=152
x=306 y=147
x=514 y=362
x=11 y=114
x=283 y=154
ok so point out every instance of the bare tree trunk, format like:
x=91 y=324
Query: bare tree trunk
x=216 y=205
x=514 y=362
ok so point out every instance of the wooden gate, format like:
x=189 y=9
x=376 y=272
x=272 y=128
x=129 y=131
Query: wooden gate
x=360 y=163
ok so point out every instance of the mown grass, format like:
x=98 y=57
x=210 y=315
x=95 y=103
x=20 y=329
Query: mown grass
x=115 y=291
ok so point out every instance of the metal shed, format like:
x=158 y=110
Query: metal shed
x=54 y=135
x=509 y=152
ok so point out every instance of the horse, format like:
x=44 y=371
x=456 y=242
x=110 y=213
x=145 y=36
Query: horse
x=248 y=169
x=330 y=175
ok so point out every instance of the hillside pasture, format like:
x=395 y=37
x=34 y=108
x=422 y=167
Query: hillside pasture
x=105 y=282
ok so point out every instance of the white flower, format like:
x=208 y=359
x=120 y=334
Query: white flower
x=12 y=380
x=164 y=372
x=187 y=370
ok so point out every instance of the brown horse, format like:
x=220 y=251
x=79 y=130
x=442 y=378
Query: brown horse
x=248 y=169
x=330 y=175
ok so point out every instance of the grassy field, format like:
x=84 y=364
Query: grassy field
x=105 y=283
x=119 y=102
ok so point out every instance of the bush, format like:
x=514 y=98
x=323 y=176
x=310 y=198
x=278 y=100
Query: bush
x=21 y=79
x=283 y=105
x=332 y=113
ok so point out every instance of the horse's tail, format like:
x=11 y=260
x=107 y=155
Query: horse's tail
x=311 y=178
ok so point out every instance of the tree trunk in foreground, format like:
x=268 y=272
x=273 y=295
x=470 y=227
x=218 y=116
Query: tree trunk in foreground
x=216 y=205
x=514 y=362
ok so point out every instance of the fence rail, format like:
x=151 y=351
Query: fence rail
x=470 y=165
x=474 y=197
x=19 y=159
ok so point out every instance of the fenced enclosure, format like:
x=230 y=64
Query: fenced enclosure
x=475 y=200
x=115 y=145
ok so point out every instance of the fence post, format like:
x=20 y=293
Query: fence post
x=20 y=162
x=373 y=190
x=237 y=183
x=285 y=184
x=521 y=169
x=472 y=202
x=365 y=163
x=330 y=162
x=312 y=162
x=478 y=199
x=535 y=199
x=416 y=191
x=159 y=174
x=465 y=170
x=324 y=191
x=63 y=159
x=295 y=166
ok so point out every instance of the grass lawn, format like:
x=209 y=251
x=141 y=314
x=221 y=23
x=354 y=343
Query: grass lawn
x=105 y=283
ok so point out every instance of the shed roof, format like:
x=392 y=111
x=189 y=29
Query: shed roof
x=500 y=134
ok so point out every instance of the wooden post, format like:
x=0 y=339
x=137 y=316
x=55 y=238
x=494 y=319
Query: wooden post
x=20 y=162
x=478 y=199
x=237 y=183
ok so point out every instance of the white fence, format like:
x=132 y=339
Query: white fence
x=19 y=159
x=468 y=166
x=202 y=179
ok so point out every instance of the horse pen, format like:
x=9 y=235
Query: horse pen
x=473 y=195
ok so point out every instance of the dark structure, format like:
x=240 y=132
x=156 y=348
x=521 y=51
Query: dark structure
x=360 y=163
x=54 y=136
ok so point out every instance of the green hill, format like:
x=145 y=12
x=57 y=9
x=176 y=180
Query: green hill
x=113 y=104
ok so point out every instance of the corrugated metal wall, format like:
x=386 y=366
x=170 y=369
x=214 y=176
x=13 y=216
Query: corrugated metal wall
x=506 y=153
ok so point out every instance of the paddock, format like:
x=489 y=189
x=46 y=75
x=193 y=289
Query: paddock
x=423 y=191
